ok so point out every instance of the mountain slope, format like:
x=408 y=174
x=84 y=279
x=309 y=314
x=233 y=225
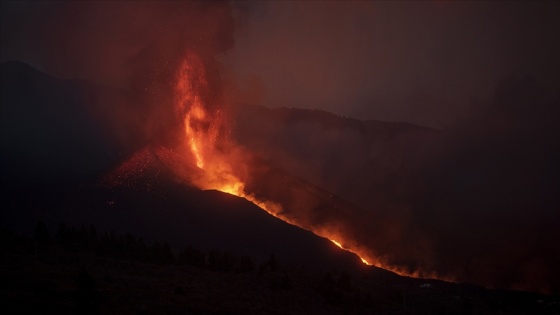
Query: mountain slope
x=49 y=131
x=146 y=197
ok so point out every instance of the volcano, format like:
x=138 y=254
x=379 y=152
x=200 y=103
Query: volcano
x=62 y=164
x=147 y=194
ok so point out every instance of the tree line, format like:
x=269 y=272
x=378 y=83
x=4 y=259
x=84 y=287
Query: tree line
x=46 y=246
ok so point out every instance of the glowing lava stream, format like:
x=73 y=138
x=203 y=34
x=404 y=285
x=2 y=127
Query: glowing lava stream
x=202 y=132
x=348 y=250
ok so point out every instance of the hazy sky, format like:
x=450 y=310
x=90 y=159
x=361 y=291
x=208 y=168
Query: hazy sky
x=422 y=62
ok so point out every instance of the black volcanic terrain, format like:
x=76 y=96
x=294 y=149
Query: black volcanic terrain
x=92 y=225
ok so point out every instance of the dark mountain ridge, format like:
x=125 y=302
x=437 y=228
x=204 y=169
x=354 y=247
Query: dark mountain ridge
x=329 y=121
x=49 y=172
x=49 y=128
x=54 y=152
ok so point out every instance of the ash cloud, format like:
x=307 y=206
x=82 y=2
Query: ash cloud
x=134 y=48
x=488 y=196
x=421 y=62
x=476 y=203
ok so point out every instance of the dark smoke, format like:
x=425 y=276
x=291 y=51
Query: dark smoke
x=489 y=196
x=421 y=62
x=133 y=47
x=476 y=203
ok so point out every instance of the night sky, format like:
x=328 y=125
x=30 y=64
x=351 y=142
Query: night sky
x=424 y=62
x=485 y=74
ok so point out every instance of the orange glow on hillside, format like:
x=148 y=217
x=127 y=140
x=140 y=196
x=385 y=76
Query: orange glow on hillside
x=221 y=160
x=195 y=113
x=348 y=250
x=202 y=132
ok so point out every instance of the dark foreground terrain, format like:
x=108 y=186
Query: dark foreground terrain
x=78 y=270
x=205 y=252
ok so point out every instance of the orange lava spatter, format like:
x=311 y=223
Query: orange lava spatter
x=214 y=153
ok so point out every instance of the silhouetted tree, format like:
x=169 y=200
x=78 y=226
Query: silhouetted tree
x=246 y=264
x=268 y=266
x=41 y=233
x=228 y=262
x=192 y=257
x=41 y=239
x=214 y=257
x=165 y=254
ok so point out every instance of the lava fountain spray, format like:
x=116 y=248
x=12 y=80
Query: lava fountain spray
x=223 y=163
x=207 y=137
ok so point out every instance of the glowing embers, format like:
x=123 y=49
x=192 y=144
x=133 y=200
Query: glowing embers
x=221 y=160
x=348 y=250
x=206 y=140
x=193 y=115
x=200 y=128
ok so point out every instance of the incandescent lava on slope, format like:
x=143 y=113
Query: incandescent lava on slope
x=227 y=166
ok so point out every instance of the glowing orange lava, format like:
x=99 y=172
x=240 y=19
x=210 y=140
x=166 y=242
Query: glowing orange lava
x=217 y=156
x=202 y=132
x=348 y=250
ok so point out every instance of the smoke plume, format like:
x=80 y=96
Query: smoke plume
x=476 y=203
x=135 y=48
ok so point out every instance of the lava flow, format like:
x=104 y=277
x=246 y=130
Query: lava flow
x=207 y=140
x=222 y=162
x=348 y=250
